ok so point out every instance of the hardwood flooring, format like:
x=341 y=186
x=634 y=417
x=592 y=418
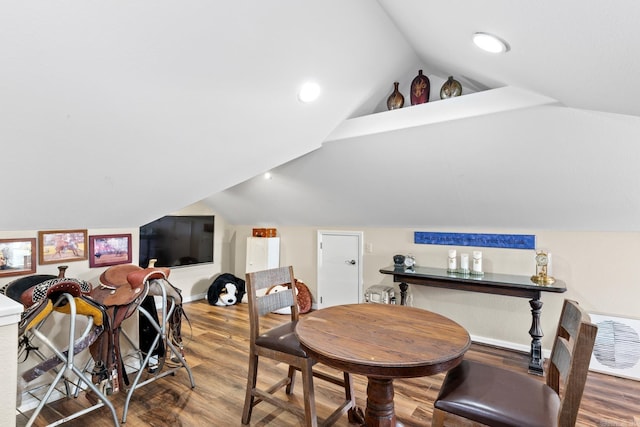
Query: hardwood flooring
x=217 y=354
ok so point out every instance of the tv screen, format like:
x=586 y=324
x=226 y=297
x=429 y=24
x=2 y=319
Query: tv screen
x=177 y=241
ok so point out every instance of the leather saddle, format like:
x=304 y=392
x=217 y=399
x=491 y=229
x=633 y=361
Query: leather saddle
x=38 y=293
x=115 y=289
x=122 y=289
x=16 y=288
x=52 y=288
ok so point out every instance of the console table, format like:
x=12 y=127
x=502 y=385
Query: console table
x=489 y=283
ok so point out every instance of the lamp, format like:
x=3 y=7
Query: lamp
x=309 y=92
x=490 y=43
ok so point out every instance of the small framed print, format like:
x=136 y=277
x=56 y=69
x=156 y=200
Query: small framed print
x=17 y=257
x=109 y=249
x=62 y=246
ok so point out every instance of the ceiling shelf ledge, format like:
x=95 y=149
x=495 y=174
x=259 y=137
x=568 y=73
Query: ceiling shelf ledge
x=476 y=104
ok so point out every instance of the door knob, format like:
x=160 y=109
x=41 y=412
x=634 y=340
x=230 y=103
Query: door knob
x=352 y=262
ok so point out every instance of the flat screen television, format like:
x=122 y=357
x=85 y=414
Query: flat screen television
x=177 y=241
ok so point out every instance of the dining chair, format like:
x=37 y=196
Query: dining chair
x=499 y=397
x=280 y=343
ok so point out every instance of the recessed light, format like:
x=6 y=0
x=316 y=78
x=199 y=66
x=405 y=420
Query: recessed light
x=309 y=92
x=490 y=43
x=268 y=175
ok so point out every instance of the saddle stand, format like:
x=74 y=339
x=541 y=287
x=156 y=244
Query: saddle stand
x=73 y=306
x=170 y=307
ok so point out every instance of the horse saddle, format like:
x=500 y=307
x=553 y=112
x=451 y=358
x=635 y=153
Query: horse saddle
x=38 y=293
x=123 y=287
x=53 y=288
x=16 y=288
x=115 y=289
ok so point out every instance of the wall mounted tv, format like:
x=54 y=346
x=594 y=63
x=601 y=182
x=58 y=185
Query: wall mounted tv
x=177 y=241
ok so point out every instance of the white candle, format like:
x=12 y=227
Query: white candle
x=464 y=261
x=453 y=264
x=477 y=261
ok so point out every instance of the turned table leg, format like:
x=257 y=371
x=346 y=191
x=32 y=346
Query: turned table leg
x=536 y=361
x=403 y=293
x=380 y=411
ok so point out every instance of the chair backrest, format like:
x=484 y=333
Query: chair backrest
x=570 y=358
x=261 y=303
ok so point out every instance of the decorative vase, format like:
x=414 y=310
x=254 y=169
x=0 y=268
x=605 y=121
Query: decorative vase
x=420 y=87
x=395 y=100
x=450 y=88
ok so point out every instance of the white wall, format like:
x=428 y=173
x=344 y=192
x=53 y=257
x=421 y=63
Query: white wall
x=192 y=280
x=599 y=269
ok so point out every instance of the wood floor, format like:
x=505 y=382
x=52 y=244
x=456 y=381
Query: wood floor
x=217 y=354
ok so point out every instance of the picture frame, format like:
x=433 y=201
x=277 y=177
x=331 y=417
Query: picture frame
x=109 y=249
x=57 y=246
x=17 y=257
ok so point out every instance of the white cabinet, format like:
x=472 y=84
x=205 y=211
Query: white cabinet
x=262 y=253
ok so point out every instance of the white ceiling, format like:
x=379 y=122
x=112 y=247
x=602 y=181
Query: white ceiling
x=115 y=113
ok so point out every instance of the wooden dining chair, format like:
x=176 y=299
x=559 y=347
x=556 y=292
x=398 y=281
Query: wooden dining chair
x=498 y=397
x=280 y=343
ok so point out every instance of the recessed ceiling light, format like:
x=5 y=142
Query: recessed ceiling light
x=309 y=92
x=268 y=175
x=490 y=43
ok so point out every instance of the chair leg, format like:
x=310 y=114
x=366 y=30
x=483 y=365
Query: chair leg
x=438 y=418
x=311 y=419
x=252 y=377
x=292 y=379
x=350 y=395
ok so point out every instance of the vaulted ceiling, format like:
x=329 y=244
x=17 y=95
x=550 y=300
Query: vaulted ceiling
x=115 y=113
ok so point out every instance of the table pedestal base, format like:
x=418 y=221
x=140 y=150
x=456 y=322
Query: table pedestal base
x=380 y=410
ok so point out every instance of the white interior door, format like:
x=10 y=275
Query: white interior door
x=339 y=268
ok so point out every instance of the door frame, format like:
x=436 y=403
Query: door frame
x=360 y=257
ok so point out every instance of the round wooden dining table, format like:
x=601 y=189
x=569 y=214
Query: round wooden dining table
x=383 y=342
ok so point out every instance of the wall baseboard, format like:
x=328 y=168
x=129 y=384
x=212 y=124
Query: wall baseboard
x=507 y=344
x=195 y=297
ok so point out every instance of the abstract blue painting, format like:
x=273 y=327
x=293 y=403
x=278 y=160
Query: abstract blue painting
x=508 y=241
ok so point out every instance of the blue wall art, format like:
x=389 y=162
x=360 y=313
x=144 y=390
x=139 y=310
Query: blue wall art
x=508 y=241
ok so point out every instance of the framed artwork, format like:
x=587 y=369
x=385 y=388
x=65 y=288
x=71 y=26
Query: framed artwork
x=62 y=246
x=17 y=257
x=109 y=249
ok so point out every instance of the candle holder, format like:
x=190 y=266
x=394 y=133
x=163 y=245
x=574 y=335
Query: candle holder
x=464 y=264
x=452 y=262
x=476 y=269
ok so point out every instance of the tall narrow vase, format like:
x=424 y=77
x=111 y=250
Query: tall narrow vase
x=395 y=100
x=420 y=88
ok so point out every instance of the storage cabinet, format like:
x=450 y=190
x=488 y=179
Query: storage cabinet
x=262 y=253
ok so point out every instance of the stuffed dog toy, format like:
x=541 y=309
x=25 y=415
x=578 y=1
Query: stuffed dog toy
x=227 y=295
x=226 y=289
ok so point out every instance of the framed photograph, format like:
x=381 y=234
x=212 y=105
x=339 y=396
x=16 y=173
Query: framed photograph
x=17 y=257
x=62 y=246
x=109 y=249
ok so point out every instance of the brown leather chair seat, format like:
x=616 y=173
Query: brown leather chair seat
x=282 y=338
x=498 y=397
